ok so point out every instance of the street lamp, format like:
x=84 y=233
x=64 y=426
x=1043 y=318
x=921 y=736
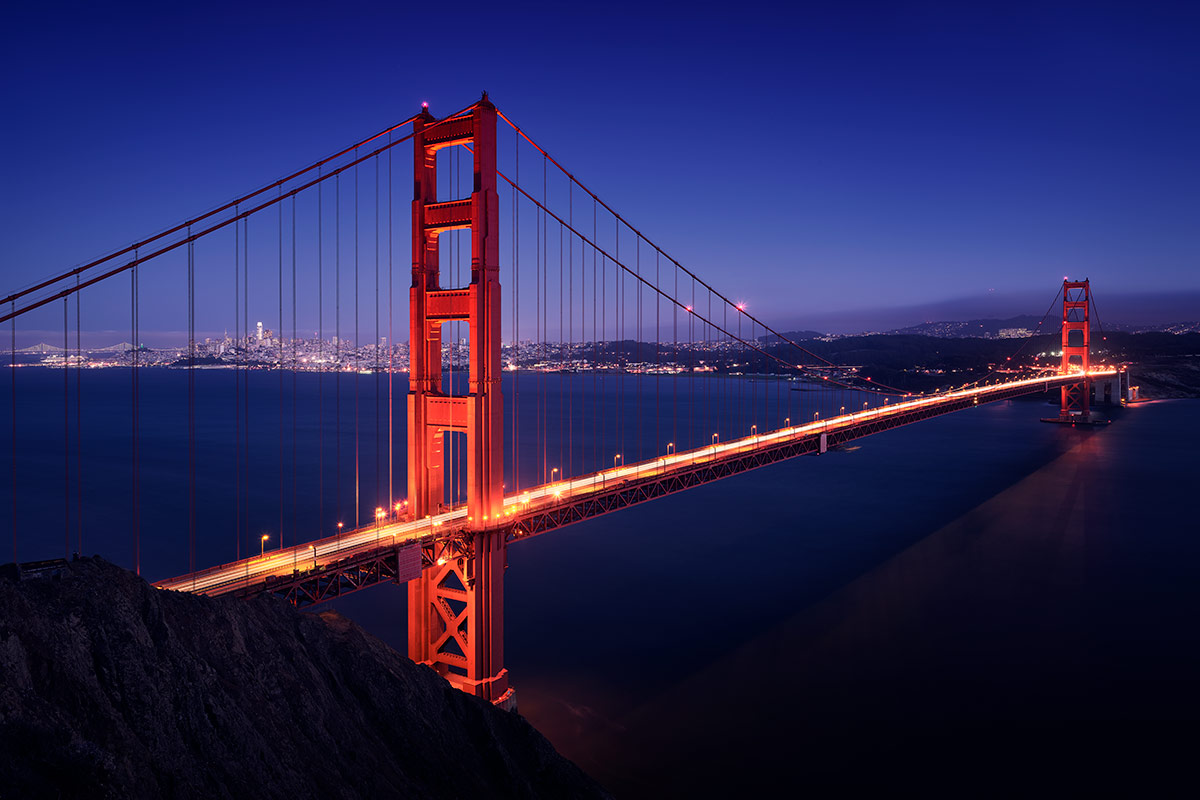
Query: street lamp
x=787 y=422
x=670 y=448
x=816 y=415
x=714 y=439
x=864 y=406
x=753 y=430
x=552 y=474
x=615 y=457
x=843 y=411
x=262 y=545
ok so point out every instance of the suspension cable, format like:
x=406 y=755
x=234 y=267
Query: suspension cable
x=219 y=225
x=637 y=232
x=207 y=215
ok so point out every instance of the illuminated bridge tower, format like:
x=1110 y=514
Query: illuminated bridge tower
x=1075 y=348
x=456 y=608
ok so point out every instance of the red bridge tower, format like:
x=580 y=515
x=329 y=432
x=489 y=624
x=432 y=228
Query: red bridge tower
x=456 y=608
x=1076 y=337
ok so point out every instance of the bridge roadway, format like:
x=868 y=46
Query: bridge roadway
x=387 y=552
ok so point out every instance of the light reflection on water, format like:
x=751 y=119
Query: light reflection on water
x=948 y=587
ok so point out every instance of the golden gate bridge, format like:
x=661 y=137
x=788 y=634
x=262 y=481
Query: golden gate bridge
x=604 y=302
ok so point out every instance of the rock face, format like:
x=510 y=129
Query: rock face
x=111 y=688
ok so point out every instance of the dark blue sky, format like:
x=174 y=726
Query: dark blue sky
x=819 y=159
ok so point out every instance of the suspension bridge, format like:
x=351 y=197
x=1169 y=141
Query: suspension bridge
x=620 y=377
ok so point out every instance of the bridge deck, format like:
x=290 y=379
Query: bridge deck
x=336 y=565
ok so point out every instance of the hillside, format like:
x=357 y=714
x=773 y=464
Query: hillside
x=111 y=688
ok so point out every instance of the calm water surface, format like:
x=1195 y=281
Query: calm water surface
x=976 y=603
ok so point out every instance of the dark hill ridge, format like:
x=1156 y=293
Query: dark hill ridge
x=111 y=688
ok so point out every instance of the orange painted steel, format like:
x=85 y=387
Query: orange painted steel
x=456 y=607
x=1076 y=396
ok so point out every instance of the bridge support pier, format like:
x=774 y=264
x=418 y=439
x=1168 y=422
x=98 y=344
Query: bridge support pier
x=456 y=608
x=456 y=619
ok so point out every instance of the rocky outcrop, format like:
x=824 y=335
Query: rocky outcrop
x=111 y=688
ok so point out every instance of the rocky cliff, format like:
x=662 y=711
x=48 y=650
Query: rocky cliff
x=111 y=688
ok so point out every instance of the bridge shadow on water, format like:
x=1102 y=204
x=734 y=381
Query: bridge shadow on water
x=977 y=603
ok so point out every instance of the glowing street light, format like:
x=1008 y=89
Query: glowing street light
x=552 y=474
x=670 y=448
x=714 y=438
x=787 y=422
x=753 y=430
x=262 y=545
x=843 y=410
x=615 y=457
x=816 y=415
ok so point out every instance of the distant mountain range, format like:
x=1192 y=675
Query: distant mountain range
x=1011 y=328
x=1176 y=312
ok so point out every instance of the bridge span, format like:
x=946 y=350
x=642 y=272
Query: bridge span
x=610 y=301
x=395 y=550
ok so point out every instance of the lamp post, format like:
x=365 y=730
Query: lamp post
x=552 y=474
x=262 y=546
x=714 y=438
x=670 y=448
x=615 y=457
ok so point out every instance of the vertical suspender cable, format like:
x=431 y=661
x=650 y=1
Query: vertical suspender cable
x=337 y=351
x=619 y=330
x=12 y=355
x=537 y=329
x=78 y=423
x=375 y=372
x=246 y=377
x=66 y=434
x=562 y=465
x=516 y=260
x=133 y=318
x=321 y=360
x=279 y=366
x=571 y=327
x=391 y=344
x=638 y=378
x=191 y=301
x=239 y=355
x=357 y=347
x=295 y=366
x=595 y=354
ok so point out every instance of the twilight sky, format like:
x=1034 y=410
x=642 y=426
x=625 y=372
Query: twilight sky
x=858 y=156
